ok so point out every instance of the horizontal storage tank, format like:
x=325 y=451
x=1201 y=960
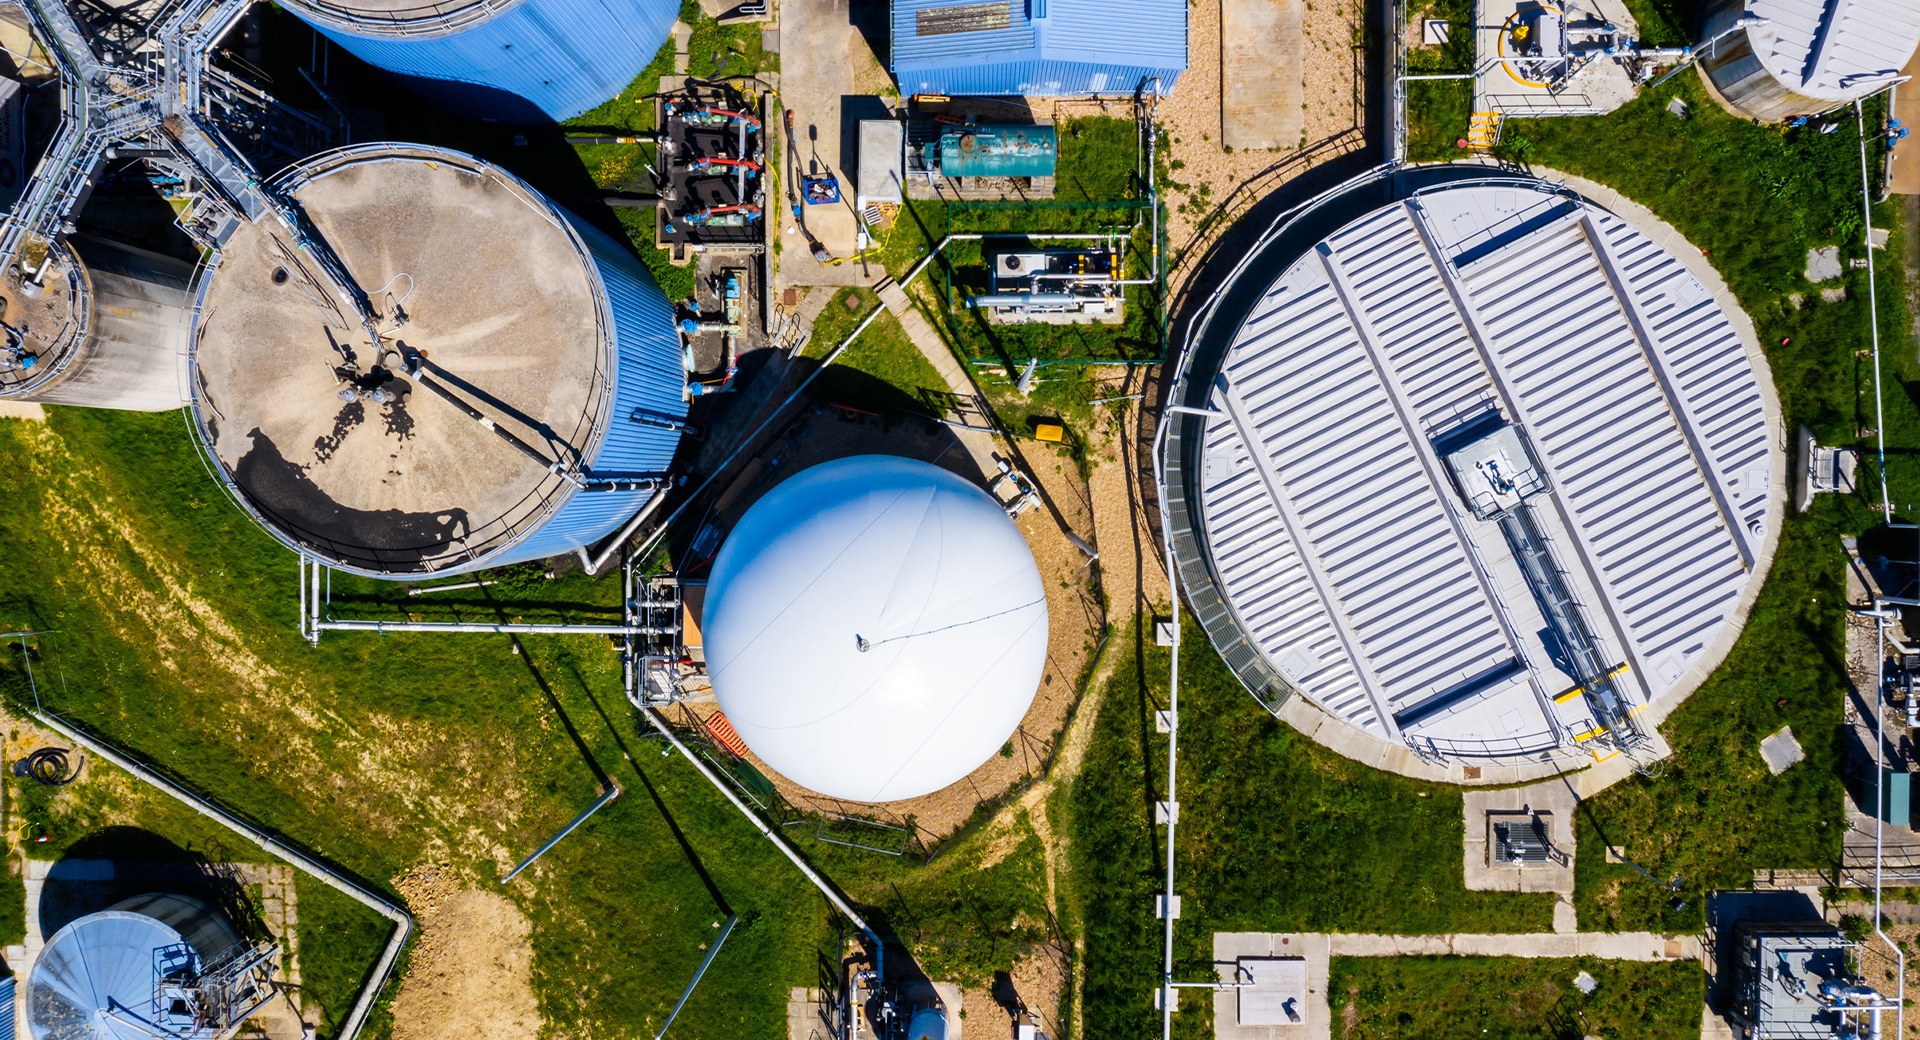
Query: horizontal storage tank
x=875 y=628
x=519 y=61
x=998 y=151
x=116 y=974
x=96 y=324
x=1805 y=57
x=523 y=401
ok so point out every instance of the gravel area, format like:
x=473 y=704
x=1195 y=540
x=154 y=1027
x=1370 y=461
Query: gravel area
x=1215 y=185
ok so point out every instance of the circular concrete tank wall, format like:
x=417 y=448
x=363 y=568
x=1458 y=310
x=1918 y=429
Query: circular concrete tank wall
x=95 y=979
x=529 y=320
x=96 y=324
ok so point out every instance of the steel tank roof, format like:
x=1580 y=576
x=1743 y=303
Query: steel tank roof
x=1834 y=49
x=1349 y=559
x=497 y=292
x=875 y=628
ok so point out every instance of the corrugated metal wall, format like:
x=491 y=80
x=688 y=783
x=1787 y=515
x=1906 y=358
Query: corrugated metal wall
x=539 y=60
x=650 y=375
x=1051 y=47
x=1031 y=79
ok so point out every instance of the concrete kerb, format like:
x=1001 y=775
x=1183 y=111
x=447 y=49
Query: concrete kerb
x=403 y=921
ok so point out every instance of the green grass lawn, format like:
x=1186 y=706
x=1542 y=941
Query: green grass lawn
x=1716 y=815
x=176 y=640
x=337 y=940
x=1277 y=834
x=1503 y=998
x=1437 y=110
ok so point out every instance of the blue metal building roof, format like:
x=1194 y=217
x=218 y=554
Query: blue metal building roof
x=1037 y=47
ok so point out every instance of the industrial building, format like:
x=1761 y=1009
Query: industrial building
x=1046 y=48
x=1776 y=59
x=522 y=61
x=875 y=628
x=1485 y=471
x=512 y=392
x=1800 y=980
x=155 y=965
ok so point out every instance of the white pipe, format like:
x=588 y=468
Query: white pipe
x=593 y=564
x=826 y=889
x=385 y=627
x=1880 y=797
x=1873 y=316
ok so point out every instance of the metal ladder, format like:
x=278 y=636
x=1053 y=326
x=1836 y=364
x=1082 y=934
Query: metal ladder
x=1483 y=130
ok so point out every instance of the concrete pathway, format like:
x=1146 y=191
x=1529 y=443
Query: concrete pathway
x=1906 y=154
x=1613 y=946
x=1262 y=52
x=959 y=381
x=812 y=90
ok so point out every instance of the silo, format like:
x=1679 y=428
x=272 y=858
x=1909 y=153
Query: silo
x=512 y=60
x=94 y=323
x=1805 y=57
x=875 y=628
x=153 y=965
x=522 y=401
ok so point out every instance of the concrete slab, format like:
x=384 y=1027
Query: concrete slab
x=1481 y=809
x=1565 y=920
x=1781 y=751
x=1823 y=264
x=826 y=113
x=1262 y=60
x=1231 y=949
x=1273 y=991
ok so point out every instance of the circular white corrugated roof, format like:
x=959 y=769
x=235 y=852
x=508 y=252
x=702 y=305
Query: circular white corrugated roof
x=917 y=565
x=1839 y=49
x=94 y=979
x=1486 y=469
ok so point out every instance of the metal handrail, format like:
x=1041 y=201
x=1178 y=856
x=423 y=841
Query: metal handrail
x=511 y=528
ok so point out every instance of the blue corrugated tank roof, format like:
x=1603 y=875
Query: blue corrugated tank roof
x=1045 y=47
x=538 y=59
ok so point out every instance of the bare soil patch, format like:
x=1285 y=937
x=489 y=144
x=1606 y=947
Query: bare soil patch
x=472 y=963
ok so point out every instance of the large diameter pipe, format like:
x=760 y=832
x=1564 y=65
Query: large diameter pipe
x=594 y=563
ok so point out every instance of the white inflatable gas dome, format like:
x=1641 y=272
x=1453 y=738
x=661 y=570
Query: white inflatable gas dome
x=875 y=628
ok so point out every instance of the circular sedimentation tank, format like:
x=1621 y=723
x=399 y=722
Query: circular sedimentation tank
x=95 y=324
x=96 y=978
x=522 y=61
x=1805 y=57
x=1485 y=472
x=522 y=315
x=875 y=628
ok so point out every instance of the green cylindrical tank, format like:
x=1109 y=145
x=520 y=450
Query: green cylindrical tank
x=998 y=151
